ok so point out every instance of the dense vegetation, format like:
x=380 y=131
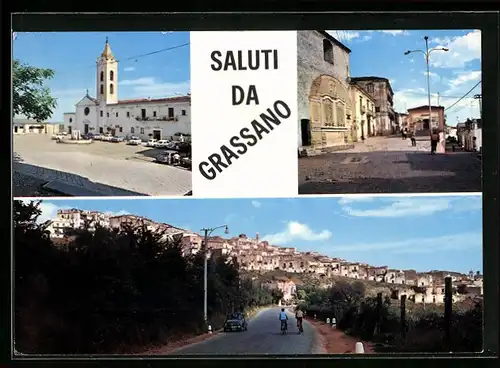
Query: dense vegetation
x=108 y=291
x=424 y=326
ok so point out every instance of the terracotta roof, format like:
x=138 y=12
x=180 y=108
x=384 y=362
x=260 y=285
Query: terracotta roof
x=156 y=100
x=425 y=107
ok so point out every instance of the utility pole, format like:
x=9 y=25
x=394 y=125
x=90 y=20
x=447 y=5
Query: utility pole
x=438 y=99
x=479 y=98
x=207 y=232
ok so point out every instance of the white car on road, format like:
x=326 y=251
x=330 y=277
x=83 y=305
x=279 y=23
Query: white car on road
x=107 y=138
x=151 y=143
x=134 y=141
x=162 y=143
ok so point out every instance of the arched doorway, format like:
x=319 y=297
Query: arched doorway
x=330 y=112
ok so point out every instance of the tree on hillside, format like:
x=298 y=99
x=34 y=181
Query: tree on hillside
x=31 y=97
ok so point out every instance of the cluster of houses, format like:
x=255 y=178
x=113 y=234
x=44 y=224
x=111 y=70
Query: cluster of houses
x=256 y=255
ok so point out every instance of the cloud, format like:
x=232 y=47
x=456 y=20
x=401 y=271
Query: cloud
x=118 y=213
x=129 y=69
x=415 y=206
x=297 y=231
x=348 y=36
x=396 y=32
x=443 y=243
x=463 y=49
x=256 y=204
x=151 y=87
x=230 y=217
x=464 y=78
x=49 y=211
x=354 y=199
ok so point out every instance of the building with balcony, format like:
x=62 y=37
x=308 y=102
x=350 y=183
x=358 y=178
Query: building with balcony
x=381 y=91
x=146 y=118
x=324 y=98
x=363 y=114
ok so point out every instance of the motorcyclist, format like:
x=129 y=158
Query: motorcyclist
x=283 y=317
x=299 y=315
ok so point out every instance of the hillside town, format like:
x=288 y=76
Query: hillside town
x=258 y=256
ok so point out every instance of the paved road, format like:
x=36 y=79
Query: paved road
x=392 y=166
x=262 y=337
x=108 y=168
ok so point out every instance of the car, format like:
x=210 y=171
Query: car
x=107 y=138
x=151 y=143
x=97 y=137
x=58 y=136
x=167 y=157
x=116 y=139
x=162 y=143
x=134 y=141
x=236 y=322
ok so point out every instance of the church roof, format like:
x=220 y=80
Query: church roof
x=107 y=53
x=156 y=100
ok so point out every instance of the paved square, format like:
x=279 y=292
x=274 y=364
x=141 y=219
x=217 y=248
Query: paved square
x=390 y=165
x=113 y=169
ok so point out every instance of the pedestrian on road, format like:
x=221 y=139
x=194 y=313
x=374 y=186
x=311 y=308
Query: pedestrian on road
x=299 y=315
x=434 y=141
x=413 y=140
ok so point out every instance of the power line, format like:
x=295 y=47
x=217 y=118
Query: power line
x=465 y=95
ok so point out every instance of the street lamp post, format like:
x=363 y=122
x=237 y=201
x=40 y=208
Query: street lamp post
x=427 y=54
x=207 y=232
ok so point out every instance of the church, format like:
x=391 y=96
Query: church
x=146 y=118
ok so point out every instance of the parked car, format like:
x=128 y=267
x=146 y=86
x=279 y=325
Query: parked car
x=98 y=137
x=134 y=141
x=107 y=137
x=58 y=136
x=235 y=322
x=151 y=143
x=162 y=143
x=116 y=139
x=168 y=157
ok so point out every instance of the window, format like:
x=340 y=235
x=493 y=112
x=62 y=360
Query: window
x=116 y=114
x=101 y=113
x=102 y=77
x=111 y=75
x=70 y=120
x=377 y=109
x=360 y=102
x=143 y=113
x=154 y=113
x=102 y=89
x=128 y=114
x=369 y=87
x=142 y=130
x=111 y=88
x=121 y=129
x=86 y=111
x=107 y=114
x=101 y=130
x=183 y=112
x=327 y=51
x=132 y=130
x=170 y=112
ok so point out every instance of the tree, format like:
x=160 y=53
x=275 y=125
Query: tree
x=30 y=97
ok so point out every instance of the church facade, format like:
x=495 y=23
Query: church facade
x=146 y=118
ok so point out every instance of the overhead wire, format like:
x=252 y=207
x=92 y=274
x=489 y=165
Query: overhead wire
x=465 y=95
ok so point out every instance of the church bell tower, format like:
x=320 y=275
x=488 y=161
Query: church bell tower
x=107 y=77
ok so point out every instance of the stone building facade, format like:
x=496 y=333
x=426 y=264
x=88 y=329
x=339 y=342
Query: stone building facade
x=418 y=119
x=324 y=98
x=381 y=91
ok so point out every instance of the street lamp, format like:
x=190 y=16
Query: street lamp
x=207 y=232
x=427 y=54
x=479 y=97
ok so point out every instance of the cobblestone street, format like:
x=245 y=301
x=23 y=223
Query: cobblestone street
x=109 y=169
x=389 y=165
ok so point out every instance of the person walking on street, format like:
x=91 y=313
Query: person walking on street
x=434 y=141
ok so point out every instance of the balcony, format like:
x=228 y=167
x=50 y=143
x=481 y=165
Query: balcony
x=156 y=118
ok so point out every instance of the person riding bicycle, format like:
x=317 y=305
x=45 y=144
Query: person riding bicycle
x=299 y=315
x=283 y=317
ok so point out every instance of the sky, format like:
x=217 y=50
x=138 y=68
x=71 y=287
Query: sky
x=403 y=232
x=374 y=53
x=452 y=73
x=72 y=55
